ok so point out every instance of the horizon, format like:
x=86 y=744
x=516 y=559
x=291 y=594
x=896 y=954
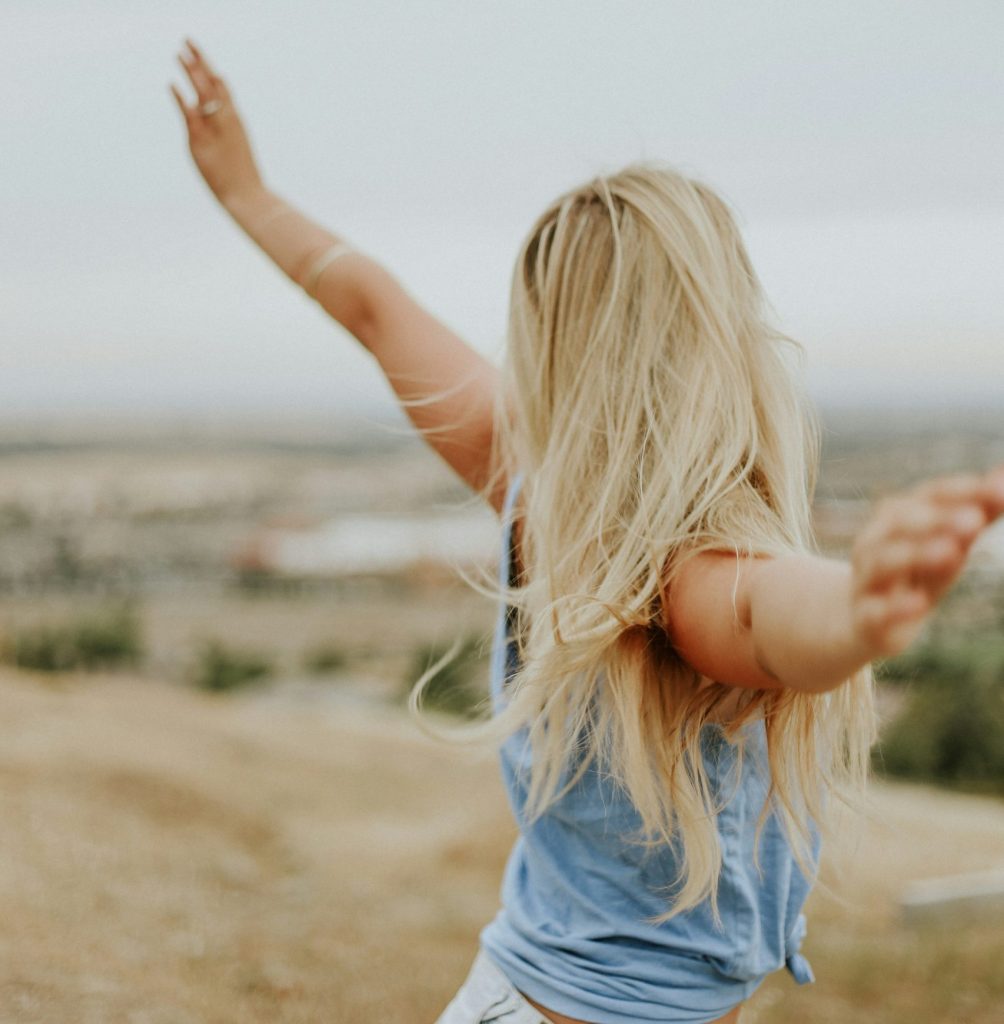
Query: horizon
x=390 y=419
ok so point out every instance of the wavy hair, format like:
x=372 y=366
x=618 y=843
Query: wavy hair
x=653 y=413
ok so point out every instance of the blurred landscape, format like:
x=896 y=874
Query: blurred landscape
x=218 y=809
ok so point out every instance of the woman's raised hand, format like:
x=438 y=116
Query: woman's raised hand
x=912 y=550
x=216 y=137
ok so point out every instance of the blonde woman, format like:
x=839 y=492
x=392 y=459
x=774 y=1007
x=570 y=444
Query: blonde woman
x=681 y=685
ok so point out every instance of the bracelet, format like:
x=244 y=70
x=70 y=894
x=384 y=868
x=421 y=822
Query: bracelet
x=321 y=263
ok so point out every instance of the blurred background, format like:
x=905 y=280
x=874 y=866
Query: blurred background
x=224 y=557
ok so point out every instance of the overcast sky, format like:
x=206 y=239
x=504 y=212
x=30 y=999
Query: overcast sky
x=862 y=144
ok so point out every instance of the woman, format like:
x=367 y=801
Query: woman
x=679 y=681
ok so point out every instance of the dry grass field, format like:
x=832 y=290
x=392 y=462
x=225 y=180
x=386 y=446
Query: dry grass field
x=170 y=857
x=299 y=851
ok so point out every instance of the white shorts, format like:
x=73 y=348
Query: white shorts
x=487 y=996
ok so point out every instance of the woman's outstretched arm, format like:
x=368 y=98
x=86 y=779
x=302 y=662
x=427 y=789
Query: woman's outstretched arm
x=808 y=623
x=446 y=387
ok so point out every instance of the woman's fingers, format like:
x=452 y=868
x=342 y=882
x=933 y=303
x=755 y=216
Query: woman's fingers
x=995 y=479
x=890 y=621
x=198 y=77
x=931 y=567
x=910 y=560
x=913 y=550
x=186 y=111
x=918 y=517
x=199 y=56
x=921 y=539
x=199 y=59
x=899 y=525
x=967 y=488
x=212 y=84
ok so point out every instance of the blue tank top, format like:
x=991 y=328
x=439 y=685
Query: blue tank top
x=572 y=932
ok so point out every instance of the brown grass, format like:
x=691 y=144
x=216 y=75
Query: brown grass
x=170 y=857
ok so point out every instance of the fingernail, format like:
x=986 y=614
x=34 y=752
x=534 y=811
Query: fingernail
x=968 y=519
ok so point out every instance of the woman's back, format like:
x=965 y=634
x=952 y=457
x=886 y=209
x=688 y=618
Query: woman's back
x=642 y=369
x=573 y=931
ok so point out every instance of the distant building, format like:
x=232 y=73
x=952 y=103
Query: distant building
x=431 y=545
x=370 y=545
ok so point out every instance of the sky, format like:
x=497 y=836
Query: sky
x=861 y=144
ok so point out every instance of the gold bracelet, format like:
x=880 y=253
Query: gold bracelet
x=321 y=263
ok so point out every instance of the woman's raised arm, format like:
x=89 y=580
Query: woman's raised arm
x=446 y=387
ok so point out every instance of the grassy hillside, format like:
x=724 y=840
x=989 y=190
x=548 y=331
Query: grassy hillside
x=170 y=857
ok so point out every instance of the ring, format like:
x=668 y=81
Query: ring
x=210 y=107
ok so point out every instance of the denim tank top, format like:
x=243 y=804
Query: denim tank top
x=572 y=932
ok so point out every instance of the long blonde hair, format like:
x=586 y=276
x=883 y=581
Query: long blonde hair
x=649 y=406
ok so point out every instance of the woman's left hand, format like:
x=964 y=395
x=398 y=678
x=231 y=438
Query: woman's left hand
x=911 y=552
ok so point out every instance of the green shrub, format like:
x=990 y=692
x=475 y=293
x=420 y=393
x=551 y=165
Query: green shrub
x=949 y=734
x=928 y=665
x=14 y=516
x=459 y=686
x=106 y=640
x=324 y=659
x=951 y=729
x=45 y=648
x=220 y=669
